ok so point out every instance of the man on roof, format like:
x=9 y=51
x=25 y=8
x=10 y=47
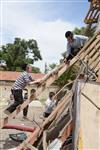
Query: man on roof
x=74 y=44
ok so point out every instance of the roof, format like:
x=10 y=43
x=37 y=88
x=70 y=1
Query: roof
x=12 y=75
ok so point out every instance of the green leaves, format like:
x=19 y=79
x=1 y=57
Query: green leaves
x=87 y=31
x=19 y=52
x=70 y=74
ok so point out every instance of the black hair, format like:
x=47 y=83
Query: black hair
x=51 y=94
x=24 y=66
x=26 y=93
x=68 y=33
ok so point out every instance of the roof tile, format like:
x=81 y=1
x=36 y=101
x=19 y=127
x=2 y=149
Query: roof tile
x=12 y=75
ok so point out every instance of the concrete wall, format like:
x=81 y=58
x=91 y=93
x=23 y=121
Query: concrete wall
x=5 y=90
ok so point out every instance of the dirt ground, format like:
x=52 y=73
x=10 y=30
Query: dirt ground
x=34 y=113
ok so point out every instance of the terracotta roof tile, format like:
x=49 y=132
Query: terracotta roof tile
x=12 y=75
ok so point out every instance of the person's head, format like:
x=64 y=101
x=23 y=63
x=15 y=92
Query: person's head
x=69 y=36
x=11 y=97
x=26 y=95
x=27 y=67
x=51 y=95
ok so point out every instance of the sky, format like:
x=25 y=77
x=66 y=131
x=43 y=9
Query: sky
x=45 y=21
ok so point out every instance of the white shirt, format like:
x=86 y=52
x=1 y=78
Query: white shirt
x=50 y=104
x=79 y=41
x=10 y=102
x=48 y=101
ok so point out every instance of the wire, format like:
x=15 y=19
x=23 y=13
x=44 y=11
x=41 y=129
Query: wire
x=90 y=101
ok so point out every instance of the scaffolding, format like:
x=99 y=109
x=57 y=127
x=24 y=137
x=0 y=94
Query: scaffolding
x=93 y=13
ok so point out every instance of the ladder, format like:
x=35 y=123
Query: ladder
x=90 y=52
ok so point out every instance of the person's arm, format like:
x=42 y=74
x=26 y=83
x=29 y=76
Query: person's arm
x=68 y=52
x=31 y=79
x=38 y=81
x=28 y=79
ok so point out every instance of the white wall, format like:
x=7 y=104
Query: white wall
x=5 y=91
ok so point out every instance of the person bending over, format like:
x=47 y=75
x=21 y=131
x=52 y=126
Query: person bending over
x=17 y=89
x=74 y=44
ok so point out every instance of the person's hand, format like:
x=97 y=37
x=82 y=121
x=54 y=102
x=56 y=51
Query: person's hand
x=66 y=61
x=39 y=81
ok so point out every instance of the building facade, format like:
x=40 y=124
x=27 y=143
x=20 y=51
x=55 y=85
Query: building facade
x=7 y=78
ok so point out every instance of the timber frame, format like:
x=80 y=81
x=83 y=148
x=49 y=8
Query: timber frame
x=89 y=56
x=93 y=13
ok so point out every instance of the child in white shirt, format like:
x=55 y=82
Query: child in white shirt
x=49 y=104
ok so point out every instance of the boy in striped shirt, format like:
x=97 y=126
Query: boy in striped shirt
x=17 y=89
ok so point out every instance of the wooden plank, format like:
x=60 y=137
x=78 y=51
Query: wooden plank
x=41 y=88
x=84 y=55
x=98 y=78
x=66 y=131
x=28 y=140
x=85 y=20
x=64 y=108
x=90 y=48
x=32 y=138
x=47 y=81
x=94 y=58
x=94 y=50
x=74 y=60
x=92 y=15
x=87 y=45
x=93 y=66
x=65 y=98
x=30 y=147
x=50 y=78
x=44 y=140
x=61 y=109
x=97 y=68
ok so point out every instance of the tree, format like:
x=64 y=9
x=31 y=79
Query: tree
x=52 y=66
x=19 y=52
x=36 y=70
x=87 y=31
x=70 y=74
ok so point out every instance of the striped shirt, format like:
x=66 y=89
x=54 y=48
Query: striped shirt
x=22 y=81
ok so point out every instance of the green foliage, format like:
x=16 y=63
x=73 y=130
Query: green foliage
x=80 y=31
x=19 y=52
x=36 y=70
x=87 y=31
x=52 y=66
x=70 y=74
